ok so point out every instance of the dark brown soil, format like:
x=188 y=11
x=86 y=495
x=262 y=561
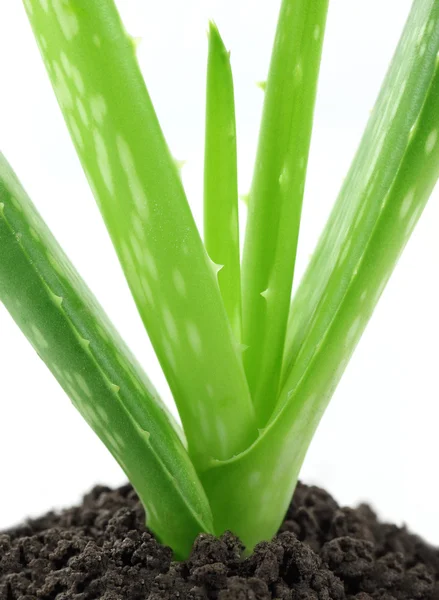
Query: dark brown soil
x=102 y=549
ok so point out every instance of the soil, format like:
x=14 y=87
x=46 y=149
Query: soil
x=102 y=549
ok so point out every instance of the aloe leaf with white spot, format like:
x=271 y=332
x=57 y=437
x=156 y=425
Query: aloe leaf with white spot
x=92 y=65
x=390 y=182
x=58 y=314
x=276 y=195
x=221 y=226
x=366 y=190
x=231 y=478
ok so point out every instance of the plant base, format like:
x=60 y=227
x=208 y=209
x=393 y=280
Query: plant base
x=101 y=549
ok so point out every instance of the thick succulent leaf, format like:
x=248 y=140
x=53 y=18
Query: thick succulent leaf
x=92 y=65
x=60 y=317
x=278 y=454
x=366 y=186
x=276 y=195
x=221 y=226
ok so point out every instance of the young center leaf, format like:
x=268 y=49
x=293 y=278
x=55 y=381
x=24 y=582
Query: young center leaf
x=92 y=65
x=221 y=226
x=276 y=195
x=394 y=173
x=60 y=317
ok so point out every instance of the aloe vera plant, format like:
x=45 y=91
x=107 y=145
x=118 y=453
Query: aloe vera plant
x=251 y=371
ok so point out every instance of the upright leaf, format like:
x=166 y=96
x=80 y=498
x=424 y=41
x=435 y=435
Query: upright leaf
x=367 y=184
x=221 y=227
x=278 y=453
x=92 y=65
x=276 y=195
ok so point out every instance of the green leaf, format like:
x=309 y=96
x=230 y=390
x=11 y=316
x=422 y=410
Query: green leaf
x=99 y=86
x=376 y=233
x=362 y=197
x=221 y=226
x=60 y=317
x=276 y=195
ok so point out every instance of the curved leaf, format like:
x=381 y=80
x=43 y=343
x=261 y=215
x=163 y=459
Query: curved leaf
x=63 y=321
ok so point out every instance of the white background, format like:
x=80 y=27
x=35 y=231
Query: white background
x=378 y=441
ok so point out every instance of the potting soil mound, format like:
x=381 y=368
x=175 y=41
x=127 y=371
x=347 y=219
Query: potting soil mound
x=102 y=550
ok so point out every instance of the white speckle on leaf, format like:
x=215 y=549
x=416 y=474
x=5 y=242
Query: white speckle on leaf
x=413 y=220
x=254 y=478
x=127 y=258
x=103 y=161
x=29 y=7
x=82 y=112
x=61 y=87
x=83 y=384
x=209 y=390
x=55 y=264
x=194 y=338
x=138 y=227
x=147 y=289
x=75 y=132
x=222 y=433
x=422 y=49
x=119 y=440
x=407 y=204
x=77 y=80
x=135 y=184
x=137 y=250
x=431 y=141
x=317 y=31
x=66 y=64
x=353 y=331
x=380 y=291
x=39 y=339
x=170 y=324
x=67 y=20
x=169 y=353
x=298 y=72
x=98 y=108
x=179 y=282
x=150 y=264
x=68 y=376
x=97 y=41
x=345 y=251
x=102 y=414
